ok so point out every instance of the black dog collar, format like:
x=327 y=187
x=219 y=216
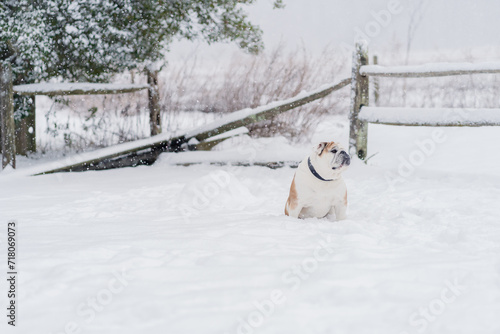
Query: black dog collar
x=314 y=172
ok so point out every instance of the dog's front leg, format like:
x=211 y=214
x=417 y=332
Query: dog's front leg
x=340 y=211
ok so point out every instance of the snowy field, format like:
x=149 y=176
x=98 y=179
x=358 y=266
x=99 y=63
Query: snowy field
x=207 y=249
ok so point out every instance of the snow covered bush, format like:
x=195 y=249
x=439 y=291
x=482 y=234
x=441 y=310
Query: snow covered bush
x=90 y=41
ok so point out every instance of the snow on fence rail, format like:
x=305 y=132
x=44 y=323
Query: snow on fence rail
x=361 y=113
x=431 y=116
x=79 y=88
x=430 y=70
x=146 y=151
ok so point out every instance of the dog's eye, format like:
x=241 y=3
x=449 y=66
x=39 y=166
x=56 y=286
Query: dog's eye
x=334 y=151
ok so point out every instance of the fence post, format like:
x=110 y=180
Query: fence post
x=7 y=117
x=375 y=83
x=25 y=130
x=154 y=102
x=358 y=132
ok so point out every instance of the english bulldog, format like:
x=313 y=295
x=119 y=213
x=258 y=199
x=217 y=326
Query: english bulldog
x=318 y=189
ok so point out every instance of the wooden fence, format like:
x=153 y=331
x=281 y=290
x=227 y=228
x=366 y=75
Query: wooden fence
x=361 y=113
x=147 y=150
x=20 y=138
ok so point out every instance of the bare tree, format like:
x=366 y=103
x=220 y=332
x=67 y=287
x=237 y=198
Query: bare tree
x=416 y=12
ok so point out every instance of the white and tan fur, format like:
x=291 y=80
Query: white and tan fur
x=312 y=197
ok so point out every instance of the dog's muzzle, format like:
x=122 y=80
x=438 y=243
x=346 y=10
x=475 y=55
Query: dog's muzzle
x=343 y=158
x=346 y=159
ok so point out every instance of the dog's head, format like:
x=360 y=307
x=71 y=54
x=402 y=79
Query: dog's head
x=332 y=157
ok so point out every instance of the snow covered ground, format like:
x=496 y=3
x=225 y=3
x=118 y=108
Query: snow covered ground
x=207 y=249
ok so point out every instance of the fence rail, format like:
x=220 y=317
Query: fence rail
x=430 y=70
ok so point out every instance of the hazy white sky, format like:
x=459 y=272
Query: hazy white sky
x=445 y=24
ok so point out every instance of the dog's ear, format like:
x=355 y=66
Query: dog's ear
x=321 y=146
